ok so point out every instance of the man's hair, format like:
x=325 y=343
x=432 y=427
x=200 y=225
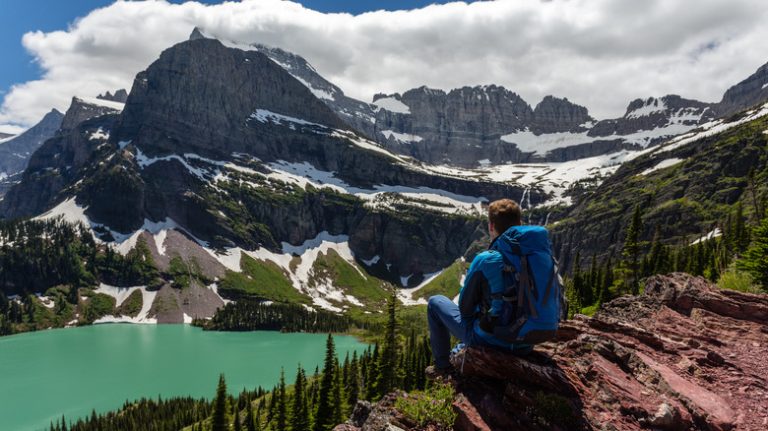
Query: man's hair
x=504 y=213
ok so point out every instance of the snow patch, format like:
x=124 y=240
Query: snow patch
x=265 y=116
x=711 y=235
x=116 y=106
x=406 y=295
x=372 y=261
x=303 y=257
x=403 y=138
x=121 y=294
x=710 y=129
x=663 y=164
x=99 y=134
x=651 y=106
x=320 y=94
x=393 y=105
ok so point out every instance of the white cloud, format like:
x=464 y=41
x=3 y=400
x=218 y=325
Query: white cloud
x=598 y=53
x=10 y=129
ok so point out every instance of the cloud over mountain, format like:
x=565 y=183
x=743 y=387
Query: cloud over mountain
x=598 y=53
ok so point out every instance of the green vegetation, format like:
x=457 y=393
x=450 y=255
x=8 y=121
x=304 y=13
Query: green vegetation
x=183 y=272
x=260 y=280
x=734 y=279
x=552 y=409
x=250 y=315
x=132 y=304
x=755 y=259
x=98 y=305
x=433 y=406
x=737 y=259
x=448 y=283
x=368 y=289
x=64 y=261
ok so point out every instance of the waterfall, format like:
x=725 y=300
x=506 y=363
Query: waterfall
x=526 y=191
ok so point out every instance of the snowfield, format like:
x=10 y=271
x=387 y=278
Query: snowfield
x=393 y=105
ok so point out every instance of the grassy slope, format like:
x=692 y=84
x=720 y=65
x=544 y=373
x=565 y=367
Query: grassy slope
x=260 y=279
x=369 y=290
x=448 y=283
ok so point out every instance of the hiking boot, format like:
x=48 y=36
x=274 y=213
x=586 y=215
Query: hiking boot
x=440 y=374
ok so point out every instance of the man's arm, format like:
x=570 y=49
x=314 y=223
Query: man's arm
x=472 y=292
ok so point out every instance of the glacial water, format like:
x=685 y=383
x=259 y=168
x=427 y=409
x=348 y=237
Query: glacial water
x=47 y=374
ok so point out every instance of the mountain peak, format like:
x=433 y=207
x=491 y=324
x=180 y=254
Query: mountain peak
x=120 y=96
x=197 y=34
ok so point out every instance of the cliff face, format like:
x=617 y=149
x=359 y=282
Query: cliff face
x=684 y=355
x=746 y=94
x=15 y=153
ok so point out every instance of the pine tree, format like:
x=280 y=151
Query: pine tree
x=755 y=259
x=387 y=369
x=324 y=414
x=249 y=419
x=337 y=399
x=236 y=424
x=281 y=419
x=654 y=256
x=579 y=283
x=219 y=420
x=353 y=386
x=741 y=234
x=752 y=185
x=606 y=283
x=300 y=415
x=631 y=250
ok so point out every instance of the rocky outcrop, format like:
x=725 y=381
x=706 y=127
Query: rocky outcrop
x=120 y=96
x=359 y=115
x=82 y=109
x=746 y=94
x=556 y=115
x=459 y=127
x=56 y=167
x=683 y=355
x=15 y=153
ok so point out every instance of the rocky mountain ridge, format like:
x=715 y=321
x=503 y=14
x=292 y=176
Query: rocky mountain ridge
x=470 y=126
x=15 y=152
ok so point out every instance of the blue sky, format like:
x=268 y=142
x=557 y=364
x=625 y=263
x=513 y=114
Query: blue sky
x=22 y=16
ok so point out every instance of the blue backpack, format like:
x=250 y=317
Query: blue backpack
x=531 y=303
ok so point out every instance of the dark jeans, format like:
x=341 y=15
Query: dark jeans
x=445 y=320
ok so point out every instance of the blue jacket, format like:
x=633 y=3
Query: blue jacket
x=485 y=276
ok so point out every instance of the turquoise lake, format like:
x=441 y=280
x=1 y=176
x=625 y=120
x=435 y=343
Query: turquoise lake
x=47 y=374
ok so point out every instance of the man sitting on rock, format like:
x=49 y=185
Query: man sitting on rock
x=511 y=298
